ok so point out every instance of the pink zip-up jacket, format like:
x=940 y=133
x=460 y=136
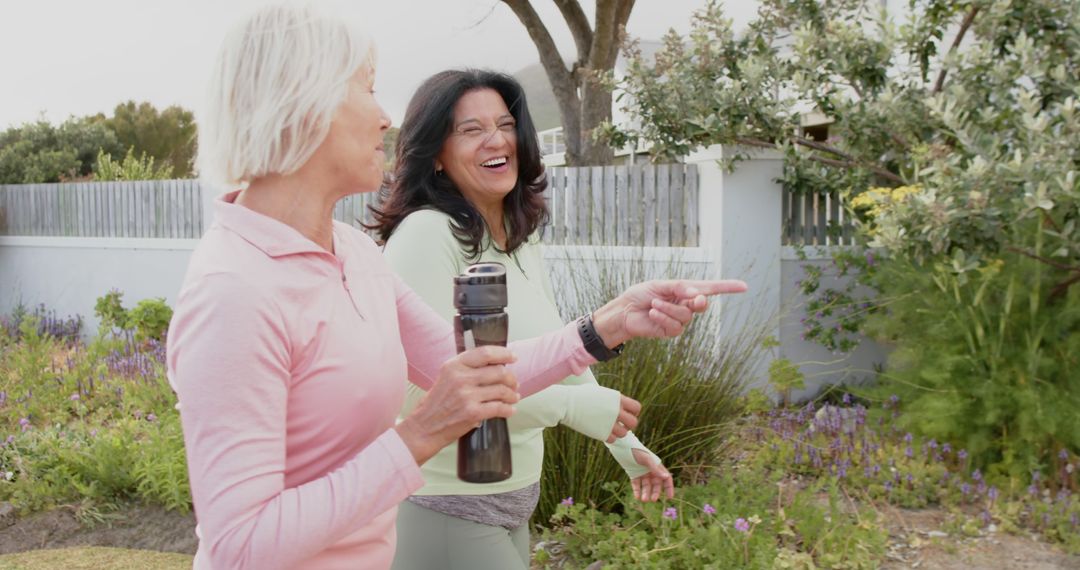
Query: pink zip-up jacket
x=290 y=366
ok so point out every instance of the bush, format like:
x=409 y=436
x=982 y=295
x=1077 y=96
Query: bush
x=982 y=361
x=690 y=389
x=737 y=520
x=149 y=319
x=93 y=425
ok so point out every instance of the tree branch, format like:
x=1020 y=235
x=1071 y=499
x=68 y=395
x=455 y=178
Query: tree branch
x=1062 y=287
x=848 y=162
x=562 y=81
x=940 y=83
x=1046 y=260
x=579 y=27
x=603 y=51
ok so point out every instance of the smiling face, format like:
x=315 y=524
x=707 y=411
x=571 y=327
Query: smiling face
x=480 y=155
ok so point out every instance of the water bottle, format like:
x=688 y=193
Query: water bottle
x=480 y=300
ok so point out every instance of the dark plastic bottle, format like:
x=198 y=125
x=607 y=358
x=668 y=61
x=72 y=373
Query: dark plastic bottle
x=480 y=299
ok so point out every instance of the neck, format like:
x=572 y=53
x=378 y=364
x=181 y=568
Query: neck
x=297 y=201
x=493 y=215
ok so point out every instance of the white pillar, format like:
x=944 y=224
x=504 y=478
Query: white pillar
x=739 y=216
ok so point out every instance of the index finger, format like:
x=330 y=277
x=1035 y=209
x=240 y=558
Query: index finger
x=690 y=288
x=486 y=356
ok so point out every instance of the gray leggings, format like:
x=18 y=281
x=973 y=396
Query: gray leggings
x=430 y=540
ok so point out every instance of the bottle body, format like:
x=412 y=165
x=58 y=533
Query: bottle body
x=480 y=298
x=483 y=452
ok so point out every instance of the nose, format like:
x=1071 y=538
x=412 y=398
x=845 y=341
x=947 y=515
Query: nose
x=495 y=139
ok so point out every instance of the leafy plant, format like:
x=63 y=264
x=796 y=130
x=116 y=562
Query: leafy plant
x=690 y=388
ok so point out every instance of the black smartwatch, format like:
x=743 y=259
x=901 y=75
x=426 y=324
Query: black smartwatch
x=592 y=341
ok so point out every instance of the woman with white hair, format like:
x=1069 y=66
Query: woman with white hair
x=292 y=339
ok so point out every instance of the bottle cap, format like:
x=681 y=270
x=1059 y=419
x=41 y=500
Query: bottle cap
x=482 y=286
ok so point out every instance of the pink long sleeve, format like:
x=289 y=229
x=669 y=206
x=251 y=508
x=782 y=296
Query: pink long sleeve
x=290 y=366
x=429 y=342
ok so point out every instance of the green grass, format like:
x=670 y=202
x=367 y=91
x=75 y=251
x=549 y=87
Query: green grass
x=94 y=558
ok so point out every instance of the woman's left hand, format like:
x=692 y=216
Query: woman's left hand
x=649 y=486
x=657 y=308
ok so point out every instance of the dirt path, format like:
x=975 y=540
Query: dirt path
x=916 y=541
x=146 y=528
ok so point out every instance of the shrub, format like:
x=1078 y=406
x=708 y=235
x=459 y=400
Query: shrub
x=149 y=319
x=690 y=388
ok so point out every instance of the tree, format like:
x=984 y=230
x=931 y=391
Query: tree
x=39 y=152
x=168 y=136
x=956 y=136
x=584 y=102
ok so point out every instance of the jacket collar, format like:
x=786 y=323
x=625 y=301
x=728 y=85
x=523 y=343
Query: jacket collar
x=272 y=237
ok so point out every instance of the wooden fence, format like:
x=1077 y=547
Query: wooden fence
x=144 y=208
x=651 y=205
x=815 y=219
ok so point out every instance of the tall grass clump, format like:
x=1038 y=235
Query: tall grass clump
x=690 y=387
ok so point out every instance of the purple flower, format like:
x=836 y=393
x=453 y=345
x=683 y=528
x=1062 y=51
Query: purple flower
x=962 y=454
x=74 y=397
x=93 y=433
x=1063 y=455
x=870 y=258
x=10 y=439
x=965 y=488
x=946 y=448
x=709 y=509
x=1033 y=490
x=742 y=525
x=671 y=513
x=907 y=437
x=847 y=399
x=569 y=501
x=976 y=475
x=151 y=417
x=992 y=493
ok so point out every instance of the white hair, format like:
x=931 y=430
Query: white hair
x=278 y=80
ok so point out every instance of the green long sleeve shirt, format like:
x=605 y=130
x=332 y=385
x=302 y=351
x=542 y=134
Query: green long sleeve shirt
x=424 y=252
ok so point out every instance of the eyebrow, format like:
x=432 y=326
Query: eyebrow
x=477 y=121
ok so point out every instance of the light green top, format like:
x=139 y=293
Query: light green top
x=424 y=252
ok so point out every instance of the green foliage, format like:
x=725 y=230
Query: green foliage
x=93 y=425
x=149 y=319
x=130 y=168
x=836 y=312
x=991 y=368
x=960 y=159
x=167 y=136
x=690 y=389
x=868 y=453
x=737 y=520
x=110 y=311
x=38 y=152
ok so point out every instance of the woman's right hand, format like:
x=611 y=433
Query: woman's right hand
x=629 y=410
x=472 y=386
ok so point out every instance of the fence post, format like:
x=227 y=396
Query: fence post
x=739 y=214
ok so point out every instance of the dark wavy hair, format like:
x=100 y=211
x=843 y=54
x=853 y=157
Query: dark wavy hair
x=428 y=123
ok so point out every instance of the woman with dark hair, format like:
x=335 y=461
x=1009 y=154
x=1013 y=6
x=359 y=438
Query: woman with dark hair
x=468 y=187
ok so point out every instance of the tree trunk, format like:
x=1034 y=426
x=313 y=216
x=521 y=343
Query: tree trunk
x=583 y=103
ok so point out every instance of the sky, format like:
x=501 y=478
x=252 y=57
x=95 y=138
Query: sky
x=81 y=57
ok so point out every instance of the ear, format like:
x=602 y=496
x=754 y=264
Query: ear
x=438 y=166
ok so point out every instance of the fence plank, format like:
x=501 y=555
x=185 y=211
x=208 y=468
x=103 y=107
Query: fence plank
x=693 y=203
x=608 y=222
x=555 y=192
x=596 y=220
x=834 y=218
x=678 y=206
x=663 y=205
x=822 y=217
x=650 y=225
x=583 y=202
x=622 y=198
x=636 y=215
